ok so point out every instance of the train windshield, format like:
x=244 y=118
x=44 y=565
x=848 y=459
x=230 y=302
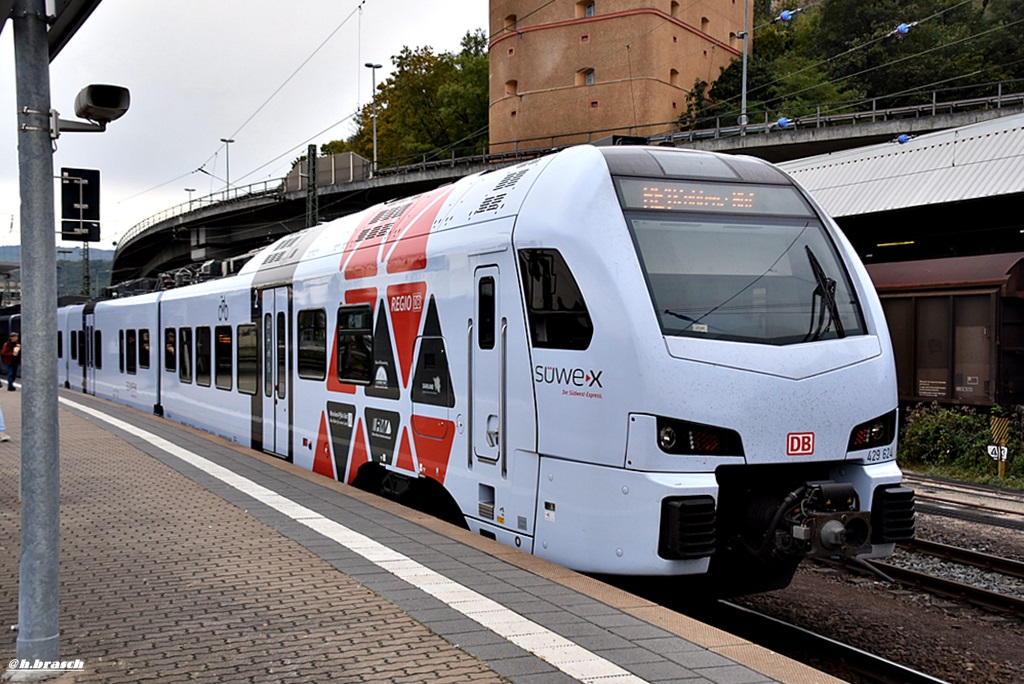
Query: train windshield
x=731 y=262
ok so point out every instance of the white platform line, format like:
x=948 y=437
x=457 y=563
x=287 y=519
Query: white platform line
x=567 y=656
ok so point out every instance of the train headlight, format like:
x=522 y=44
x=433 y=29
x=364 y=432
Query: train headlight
x=874 y=433
x=667 y=437
x=696 y=439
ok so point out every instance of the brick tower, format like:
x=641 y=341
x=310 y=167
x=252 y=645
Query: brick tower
x=566 y=71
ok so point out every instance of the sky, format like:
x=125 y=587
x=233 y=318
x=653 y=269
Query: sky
x=202 y=70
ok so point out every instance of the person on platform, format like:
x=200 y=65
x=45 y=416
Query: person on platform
x=10 y=354
x=3 y=428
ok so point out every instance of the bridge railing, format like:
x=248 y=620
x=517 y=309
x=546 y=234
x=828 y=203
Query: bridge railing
x=994 y=95
x=233 y=194
x=985 y=96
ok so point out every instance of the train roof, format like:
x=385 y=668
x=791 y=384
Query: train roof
x=670 y=162
x=1005 y=271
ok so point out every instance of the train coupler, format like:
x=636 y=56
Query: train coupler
x=823 y=519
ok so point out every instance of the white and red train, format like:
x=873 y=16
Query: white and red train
x=627 y=360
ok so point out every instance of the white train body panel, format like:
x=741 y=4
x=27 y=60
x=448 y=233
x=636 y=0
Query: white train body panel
x=537 y=341
x=123 y=333
x=196 y=396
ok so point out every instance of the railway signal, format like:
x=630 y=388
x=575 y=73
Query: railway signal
x=1000 y=427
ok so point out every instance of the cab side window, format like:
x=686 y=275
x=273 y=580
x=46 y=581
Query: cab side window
x=555 y=308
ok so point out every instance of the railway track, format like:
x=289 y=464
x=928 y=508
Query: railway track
x=1000 y=509
x=943 y=585
x=976 y=559
x=969 y=502
x=843 y=660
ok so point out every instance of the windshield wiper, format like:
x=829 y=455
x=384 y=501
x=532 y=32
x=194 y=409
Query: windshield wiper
x=826 y=289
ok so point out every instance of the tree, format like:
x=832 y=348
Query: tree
x=699 y=107
x=430 y=105
x=1002 y=22
x=939 y=47
x=785 y=77
x=837 y=52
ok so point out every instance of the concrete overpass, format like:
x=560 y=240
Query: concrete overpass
x=253 y=217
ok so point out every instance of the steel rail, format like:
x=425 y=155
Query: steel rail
x=976 y=559
x=805 y=646
x=982 y=598
x=965 y=504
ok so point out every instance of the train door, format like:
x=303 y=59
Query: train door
x=503 y=455
x=276 y=376
x=488 y=412
x=88 y=347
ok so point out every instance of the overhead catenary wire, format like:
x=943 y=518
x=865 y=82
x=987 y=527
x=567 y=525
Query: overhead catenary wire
x=202 y=167
x=833 y=58
x=898 y=61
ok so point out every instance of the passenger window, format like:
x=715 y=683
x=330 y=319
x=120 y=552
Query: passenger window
x=143 y=348
x=60 y=344
x=74 y=345
x=185 y=349
x=555 y=308
x=97 y=349
x=222 y=357
x=313 y=344
x=282 y=355
x=120 y=351
x=485 y=313
x=81 y=348
x=247 y=341
x=355 y=344
x=268 y=355
x=170 y=350
x=203 y=356
x=130 y=351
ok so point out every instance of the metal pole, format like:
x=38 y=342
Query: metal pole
x=312 y=203
x=373 y=70
x=743 y=94
x=39 y=586
x=374 y=79
x=227 y=164
x=86 y=276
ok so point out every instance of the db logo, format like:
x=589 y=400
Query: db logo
x=800 y=444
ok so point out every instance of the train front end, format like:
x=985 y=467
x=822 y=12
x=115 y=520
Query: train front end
x=743 y=354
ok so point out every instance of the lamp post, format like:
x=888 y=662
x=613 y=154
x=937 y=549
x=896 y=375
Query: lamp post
x=227 y=157
x=373 y=79
x=743 y=89
x=190 y=191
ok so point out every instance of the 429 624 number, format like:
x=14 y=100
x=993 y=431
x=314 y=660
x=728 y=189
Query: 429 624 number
x=880 y=454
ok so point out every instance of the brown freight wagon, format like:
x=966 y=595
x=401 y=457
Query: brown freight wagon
x=957 y=327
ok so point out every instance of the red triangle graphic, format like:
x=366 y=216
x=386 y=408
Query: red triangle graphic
x=406 y=302
x=359 y=453
x=322 y=462
x=433 y=453
x=410 y=252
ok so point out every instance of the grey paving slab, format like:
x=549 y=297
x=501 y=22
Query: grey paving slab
x=382 y=625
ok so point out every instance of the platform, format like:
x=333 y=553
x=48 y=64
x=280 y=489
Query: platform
x=185 y=557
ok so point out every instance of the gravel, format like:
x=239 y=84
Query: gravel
x=964 y=574
x=944 y=638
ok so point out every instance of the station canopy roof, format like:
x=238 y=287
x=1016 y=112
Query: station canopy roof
x=972 y=162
